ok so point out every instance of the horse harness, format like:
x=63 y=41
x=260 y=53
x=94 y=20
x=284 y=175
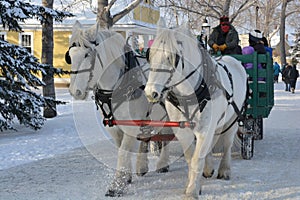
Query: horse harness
x=93 y=61
x=103 y=98
x=204 y=90
x=129 y=88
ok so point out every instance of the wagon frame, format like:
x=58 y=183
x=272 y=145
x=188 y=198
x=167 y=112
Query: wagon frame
x=260 y=100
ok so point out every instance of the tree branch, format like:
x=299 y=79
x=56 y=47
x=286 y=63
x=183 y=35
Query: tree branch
x=242 y=8
x=126 y=10
x=112 y=2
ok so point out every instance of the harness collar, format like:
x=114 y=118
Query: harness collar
x=202 y=92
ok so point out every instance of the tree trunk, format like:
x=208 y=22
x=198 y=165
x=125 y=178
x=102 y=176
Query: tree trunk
x=226 y=7
x=103 y=16
x=282 y=33
x=47 y=58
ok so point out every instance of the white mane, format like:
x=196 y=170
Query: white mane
x=165 y=41
x=173 y=41
x=109 y=44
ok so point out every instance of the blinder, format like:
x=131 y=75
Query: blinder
x=177 y=59
x=147 y=55
x=68 y=58
x=67 y=55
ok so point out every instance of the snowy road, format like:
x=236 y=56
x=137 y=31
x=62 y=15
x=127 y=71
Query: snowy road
x=54 y=164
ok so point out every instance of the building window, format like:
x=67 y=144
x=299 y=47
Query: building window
x=2 y=36
x=26 y=41
x=148 y=2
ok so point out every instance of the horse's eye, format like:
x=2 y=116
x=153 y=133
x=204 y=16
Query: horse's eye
x=86 y=55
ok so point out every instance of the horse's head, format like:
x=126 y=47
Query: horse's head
x=168 y=57
x=90 y=53
x=81 y=57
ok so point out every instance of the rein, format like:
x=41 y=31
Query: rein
x=89 y=69
x=202 y=91
x=125 y=91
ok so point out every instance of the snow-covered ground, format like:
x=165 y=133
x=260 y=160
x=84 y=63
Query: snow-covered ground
x=72 y=157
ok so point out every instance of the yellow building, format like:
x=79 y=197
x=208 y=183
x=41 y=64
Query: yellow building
x=140 y=24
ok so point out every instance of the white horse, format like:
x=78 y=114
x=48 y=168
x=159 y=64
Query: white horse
x=197 y=88
x=98 y=63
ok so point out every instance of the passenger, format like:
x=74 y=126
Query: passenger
x=247 y=51
x=286 y=77
x=267 y=47
x=256 y=41
x=224 y=38
x=250 y=50
x=294 y=74
x=276 y=69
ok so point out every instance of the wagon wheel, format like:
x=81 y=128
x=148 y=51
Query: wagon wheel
x=259 y=129
x=247 y=146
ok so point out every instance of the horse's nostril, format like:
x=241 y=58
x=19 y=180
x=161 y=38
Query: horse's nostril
x=154 y=95
x=78 y=93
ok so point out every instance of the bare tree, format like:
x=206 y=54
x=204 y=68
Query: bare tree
x=239 y=11
x=198 y=10
x=104 y=17
x=283 y=16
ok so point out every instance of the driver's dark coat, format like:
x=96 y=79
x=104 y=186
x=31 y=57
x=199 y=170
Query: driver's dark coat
x=231 y=39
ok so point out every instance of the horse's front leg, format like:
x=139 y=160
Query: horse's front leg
x=193 y=188
x=162 y=165
x=187 y=141
x=123 y=174
x=224 y=171
x=208 y=170
x=164 y=158
x=142 y=159
x=204 y=133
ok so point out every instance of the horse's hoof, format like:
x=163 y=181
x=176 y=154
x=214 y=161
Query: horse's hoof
x=141 y=173
x=113 y=193
x=129 y=180
x=190 y=197
x=163 y=169
x=223 y=177
x=200 y=192
x=208 y=175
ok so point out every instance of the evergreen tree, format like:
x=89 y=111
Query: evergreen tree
x=19 y=70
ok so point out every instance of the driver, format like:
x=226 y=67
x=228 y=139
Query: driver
x=224 y=38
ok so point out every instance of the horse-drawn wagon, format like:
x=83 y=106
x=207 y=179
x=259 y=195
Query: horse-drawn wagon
x=260 y=99
x=205 y=95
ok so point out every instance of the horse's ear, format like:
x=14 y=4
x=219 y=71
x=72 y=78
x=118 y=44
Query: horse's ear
x=77 y=25
x=185 y=28
x=161 y=23
x=186 y=25
x=93 y=31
